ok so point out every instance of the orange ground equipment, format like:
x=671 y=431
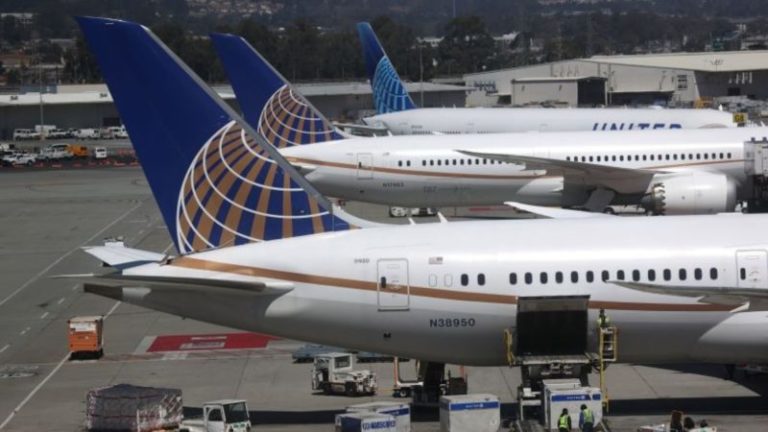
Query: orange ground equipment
x=86 y=337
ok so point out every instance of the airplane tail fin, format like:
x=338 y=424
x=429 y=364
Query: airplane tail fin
x=389 y=94
x=269 y=103
x=217 y=182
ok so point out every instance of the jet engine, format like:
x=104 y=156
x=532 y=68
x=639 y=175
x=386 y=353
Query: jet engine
x=690 y=193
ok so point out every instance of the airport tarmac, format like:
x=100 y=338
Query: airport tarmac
x=46 y=216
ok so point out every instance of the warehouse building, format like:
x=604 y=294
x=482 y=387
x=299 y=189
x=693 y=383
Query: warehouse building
x=679 y=79
x=91 y=106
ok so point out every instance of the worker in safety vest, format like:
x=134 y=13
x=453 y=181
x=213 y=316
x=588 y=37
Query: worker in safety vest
x=586 y=419
x=602 y=320
x=564 y=422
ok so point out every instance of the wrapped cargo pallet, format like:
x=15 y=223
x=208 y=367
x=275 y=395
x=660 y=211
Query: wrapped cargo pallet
x=125 y=407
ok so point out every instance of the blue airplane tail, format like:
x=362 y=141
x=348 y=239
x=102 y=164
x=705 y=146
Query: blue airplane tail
x=389 y=94
x=216 y=181
x=270 y=105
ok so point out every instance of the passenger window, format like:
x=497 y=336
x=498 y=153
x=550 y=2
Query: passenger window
x=713 y=273
x=431 y=163
x=590 y=158
x=652 y=157
x=513 y=278
x=448 y=280
x=568 y=158
x=721 y=156
x=439 y=162
x=635 y=275
x=666 y=157
x=432 y=280
x=598 y=158
x=408 y=163
x=590 y=276
x=481 y=279
x=667 y=274
x=620 y=275
x=423 y=163
x=674 y=156
x=464 y=279
x=613 y=158
x=743 y=273
x=454 y=161
x=729 y=155
x=574 y=277
x=528 y=278
x=604 y=276
x=682 y=156
x=645 y=157
x=399 y=163
x=621 y=158
x=706 y=156
x=682 y=274
x=697 y=274
x=651 y=275
x=559 y=277
x=543 y=277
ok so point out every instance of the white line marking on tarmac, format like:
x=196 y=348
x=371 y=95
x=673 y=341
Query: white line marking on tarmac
x=33 y=392
x=45 y=380
x=61 y=258
x=61 y=300
x=4 y=348
x=44 y=315
x=74 y=288
x=23 y=332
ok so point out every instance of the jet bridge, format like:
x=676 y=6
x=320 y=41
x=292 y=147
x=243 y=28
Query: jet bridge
x=551 y=340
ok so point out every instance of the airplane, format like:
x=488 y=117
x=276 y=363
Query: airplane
x=665 y=171
x=261 y=250
x=397 y=114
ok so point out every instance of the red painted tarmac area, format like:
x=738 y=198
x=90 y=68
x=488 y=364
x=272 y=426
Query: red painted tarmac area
x=210 y=342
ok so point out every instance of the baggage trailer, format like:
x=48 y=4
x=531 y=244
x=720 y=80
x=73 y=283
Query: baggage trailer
x=86 y=337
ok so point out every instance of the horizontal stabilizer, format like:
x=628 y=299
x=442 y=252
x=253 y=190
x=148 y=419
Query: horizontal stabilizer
x=122 y=257
x=624 y=180
x=729 y=296
x=555 y=212
x=170 y=283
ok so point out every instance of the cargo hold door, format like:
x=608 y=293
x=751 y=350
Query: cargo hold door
x=392 y=284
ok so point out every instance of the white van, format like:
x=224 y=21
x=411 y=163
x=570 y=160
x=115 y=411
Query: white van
x=87 y=133
x=55 y=152
x=99 y=153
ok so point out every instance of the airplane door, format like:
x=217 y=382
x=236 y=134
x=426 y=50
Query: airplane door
x=392 y=284
x=752 y=268
x=364 y=166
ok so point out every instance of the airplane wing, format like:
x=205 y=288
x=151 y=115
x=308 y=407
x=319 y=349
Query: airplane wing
x=264 y=287
x=729 y=296
x=623 y=180
x=555 y=212
x=122 y=257
x=373 y=129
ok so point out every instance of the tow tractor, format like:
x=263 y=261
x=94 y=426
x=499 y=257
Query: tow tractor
x=556 y=348
x=228 y=415
x=431 y=382
x=335 y=373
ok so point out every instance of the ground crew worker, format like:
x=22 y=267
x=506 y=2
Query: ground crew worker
x=586 y=419
x=564 y=422
x=602 y=320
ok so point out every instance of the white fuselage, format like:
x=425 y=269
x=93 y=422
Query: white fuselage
x=420 y=171
x=425 y=121
x=441 y=308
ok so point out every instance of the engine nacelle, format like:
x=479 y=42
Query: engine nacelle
x=695 y=192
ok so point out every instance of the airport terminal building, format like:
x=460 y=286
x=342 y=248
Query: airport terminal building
x=678 y=79
x=91 y=106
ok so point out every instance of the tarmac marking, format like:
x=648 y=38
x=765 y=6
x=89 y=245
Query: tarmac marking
x=45 y=380
x=4 y=348
x=33 y=392
x=23 y=332
x=44 y=315
x=61 y=258
x=61 y=300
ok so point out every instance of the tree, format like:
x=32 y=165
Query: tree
x=466 y=46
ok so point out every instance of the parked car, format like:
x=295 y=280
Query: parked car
x=87 y=133
x=58 y=134
x=55 y=152
x=19 y=158
x=25 y=134
x=121 y=133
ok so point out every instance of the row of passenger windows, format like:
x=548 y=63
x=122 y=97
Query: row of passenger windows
x=593 y=158
x=645 y=157
x=589 y=276
x=447 y=162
